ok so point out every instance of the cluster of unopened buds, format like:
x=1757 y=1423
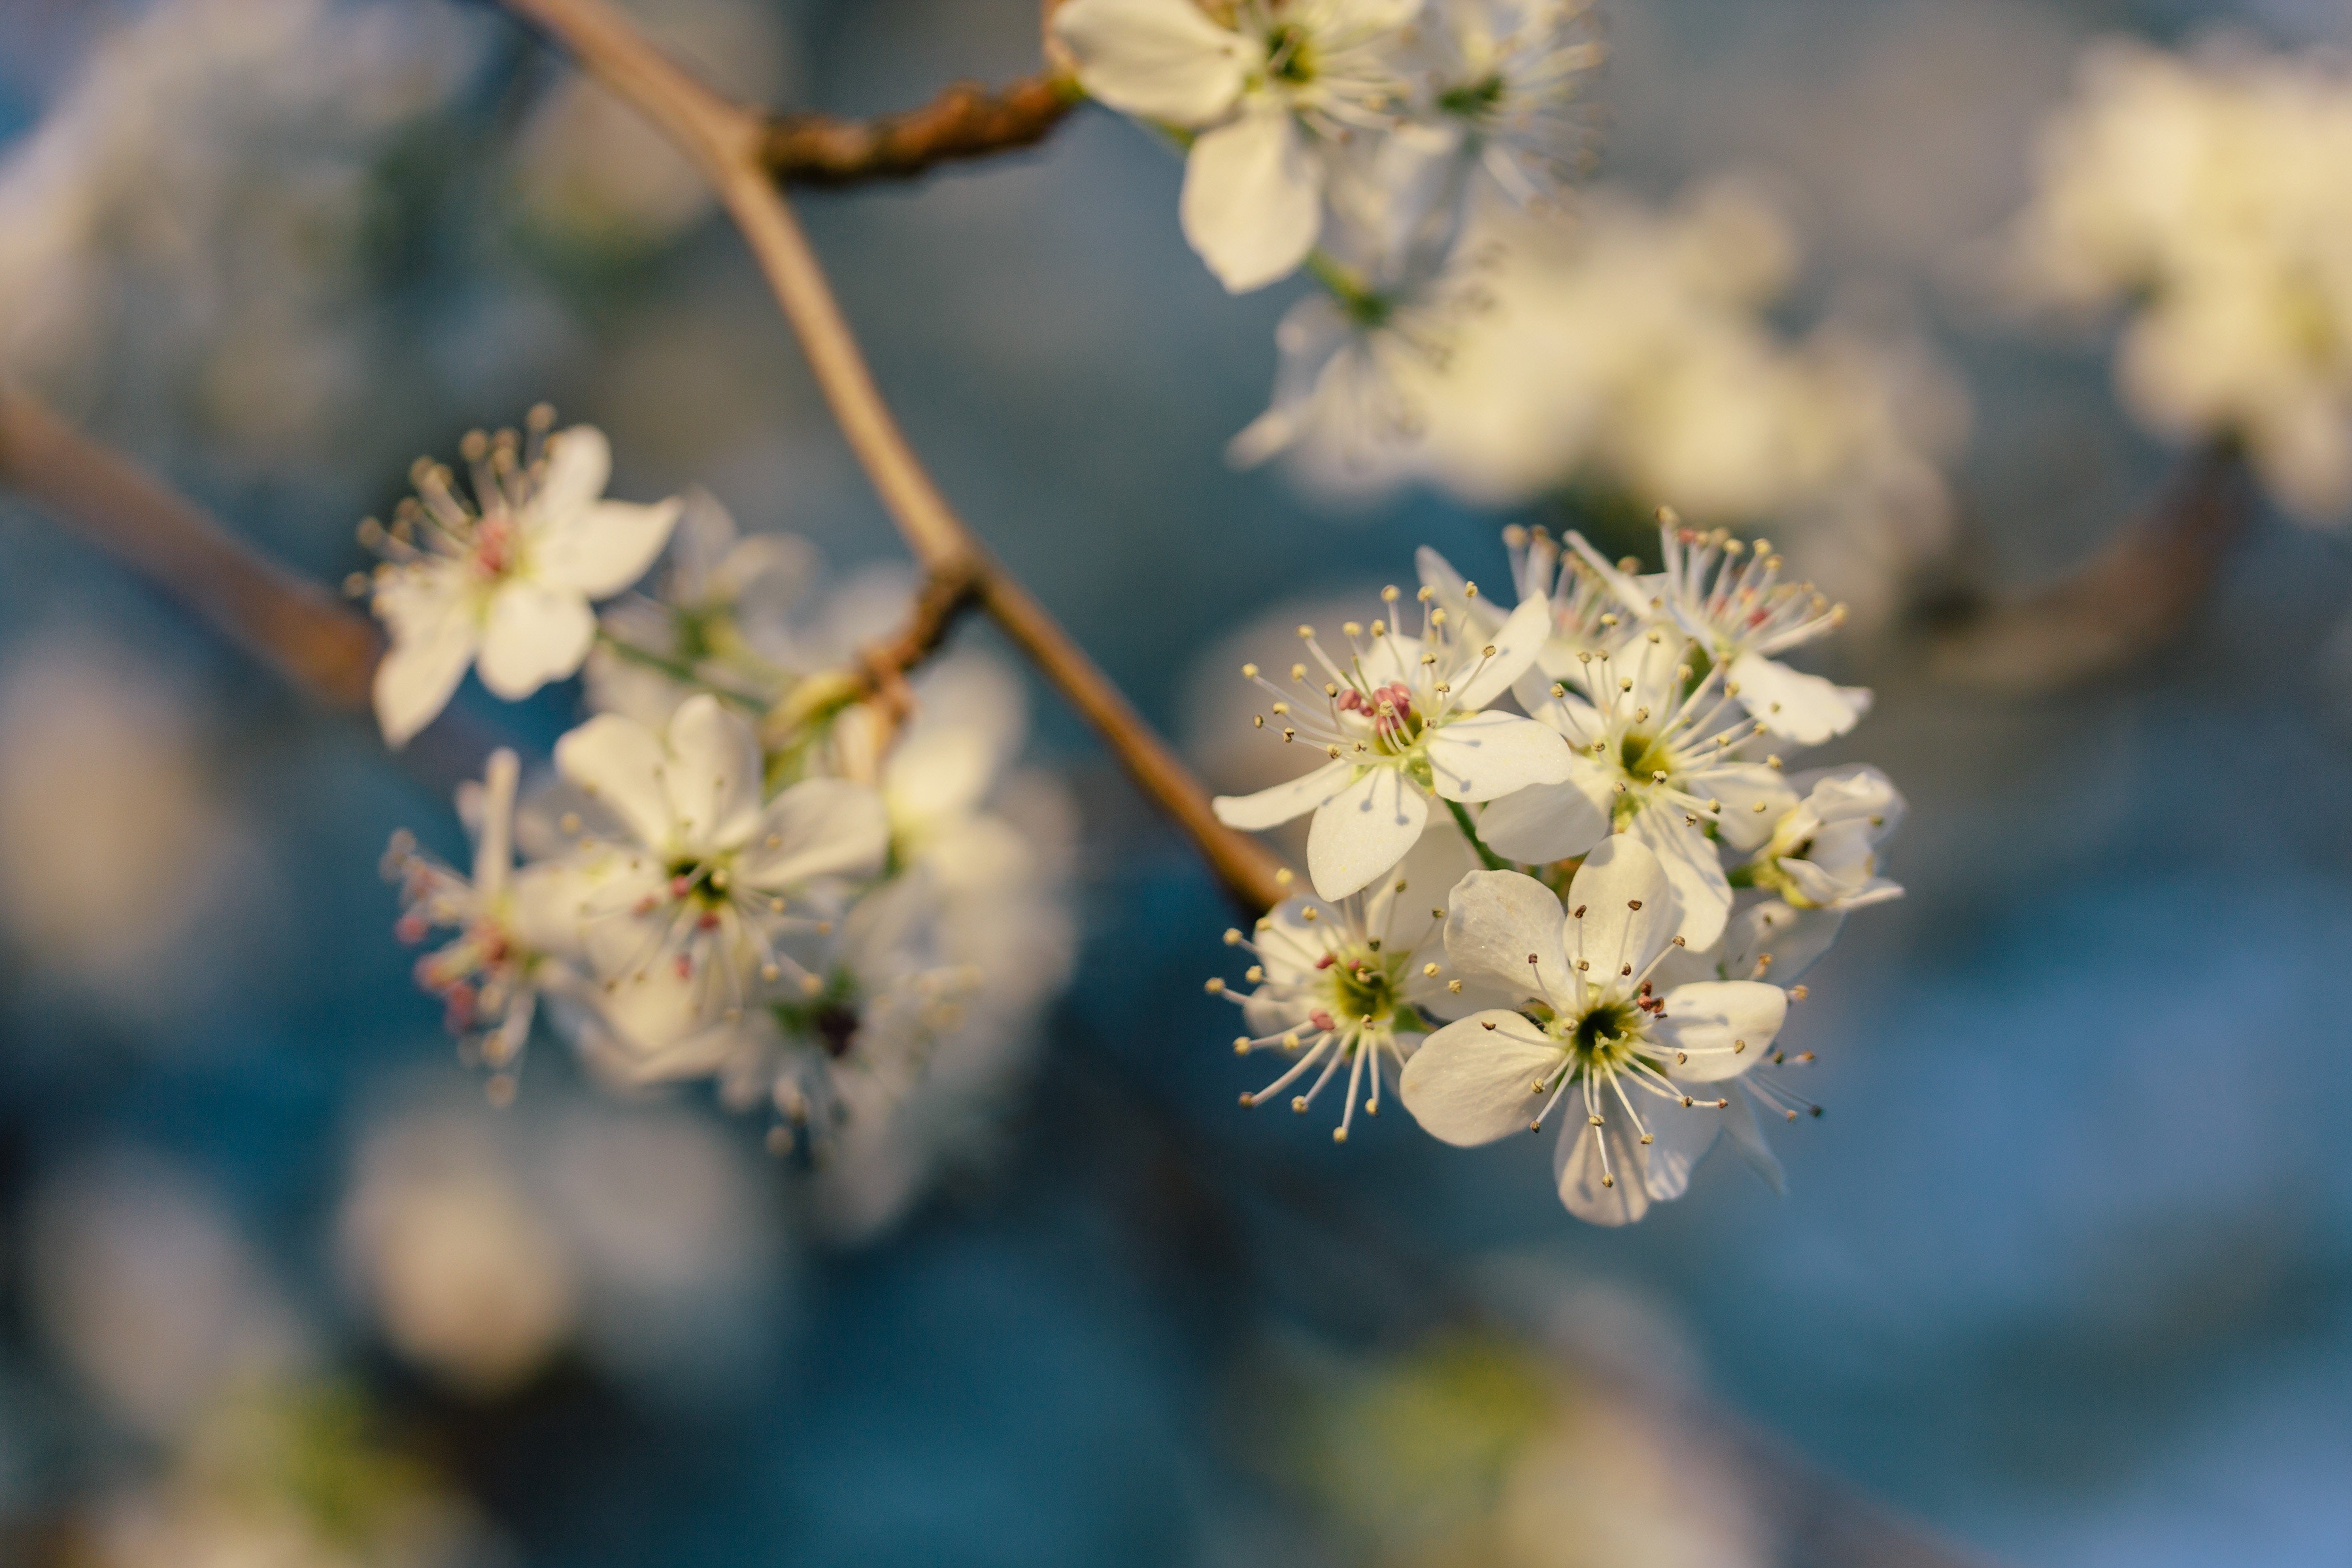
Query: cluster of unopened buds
x=1605 y=923
x=742 y=868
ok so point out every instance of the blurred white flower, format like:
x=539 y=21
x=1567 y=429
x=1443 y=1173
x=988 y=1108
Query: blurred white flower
x=1627 y=355
x=1404 y=718
x=486 y=1244
x=461 y=1270
x=120 y=866
x=2207 y=195
x=138 y=1276
x=1358 y=981
x=1509 y=78
x=508 y=577
x=197 y=210
x=1271 y=86
x=511 y=926
x=682 y=908
x=1356 y=362
x=716 y=620
x=287 y=1476
x=1604 y=1035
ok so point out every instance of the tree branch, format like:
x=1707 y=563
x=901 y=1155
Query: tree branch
x=305 y=633
x=2122 y=606
x=967 y=120
x=728 y=142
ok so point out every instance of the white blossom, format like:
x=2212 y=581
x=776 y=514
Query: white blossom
x=1509 y=78
x=717 y=621
x=1659 y=752
x=1404 y=718
x=1728 y=596
x=1642 y=1070
x=683 y=904
x=1357 y=981
x=507 y=576
x=1823 y=855
x=1270 y=87
x=510 y=925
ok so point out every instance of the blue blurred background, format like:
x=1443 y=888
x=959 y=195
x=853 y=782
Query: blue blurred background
x=2065 y=1273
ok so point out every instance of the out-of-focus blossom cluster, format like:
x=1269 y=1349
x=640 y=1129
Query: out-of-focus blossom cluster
x=1627 y=354
x=484 y=1247
x=1590 y=913
x=253 y=1455
x=2206 y=195
x=1409 y=153
x=1333 y=133
x=1477 y=1447
x=289 y=1478
x=755 y=865
x=201 y=211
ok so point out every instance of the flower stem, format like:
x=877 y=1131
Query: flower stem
x=1486 y=858
x=678 y=671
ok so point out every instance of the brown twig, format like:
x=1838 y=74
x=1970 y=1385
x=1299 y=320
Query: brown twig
x=2122 y=606
x=967 y=120
x=308 y=636
x=728 y=142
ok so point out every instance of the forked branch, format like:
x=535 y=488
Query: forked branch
x=727 y=143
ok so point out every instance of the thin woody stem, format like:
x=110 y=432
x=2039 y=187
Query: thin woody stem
x=967 y=120
x=726 y=143
x=304 y=632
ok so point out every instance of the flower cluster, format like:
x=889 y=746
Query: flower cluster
x=2207 y=195
x=1630 y=353
x=746 y=867
x=1334 y=132
x=1624 y=887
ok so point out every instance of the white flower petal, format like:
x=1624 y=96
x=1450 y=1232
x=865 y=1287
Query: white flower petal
x=602 y=549
x=1549 y=822
x=619 y=762
x=1252 y=201
x=1754 y=798
x=1521 y=637
x=432 y=645
x=1488 y=755
x=1363 y=831
x=1802 y=707
x=1407 y=909
x=1161 y=60
x=1740 y=1125
x=713 y=774
x=1719 y=1028
x=579 y=462
x=1284 y=802
x=1774 y=942
x=1582 y=1178
x=1630 y=911
x=1681 y=1136
x=534 y=635
x=1691 y=866
x=1474 y=1080
x=1496 y=922
x=818 y=827
x=1450 y=591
